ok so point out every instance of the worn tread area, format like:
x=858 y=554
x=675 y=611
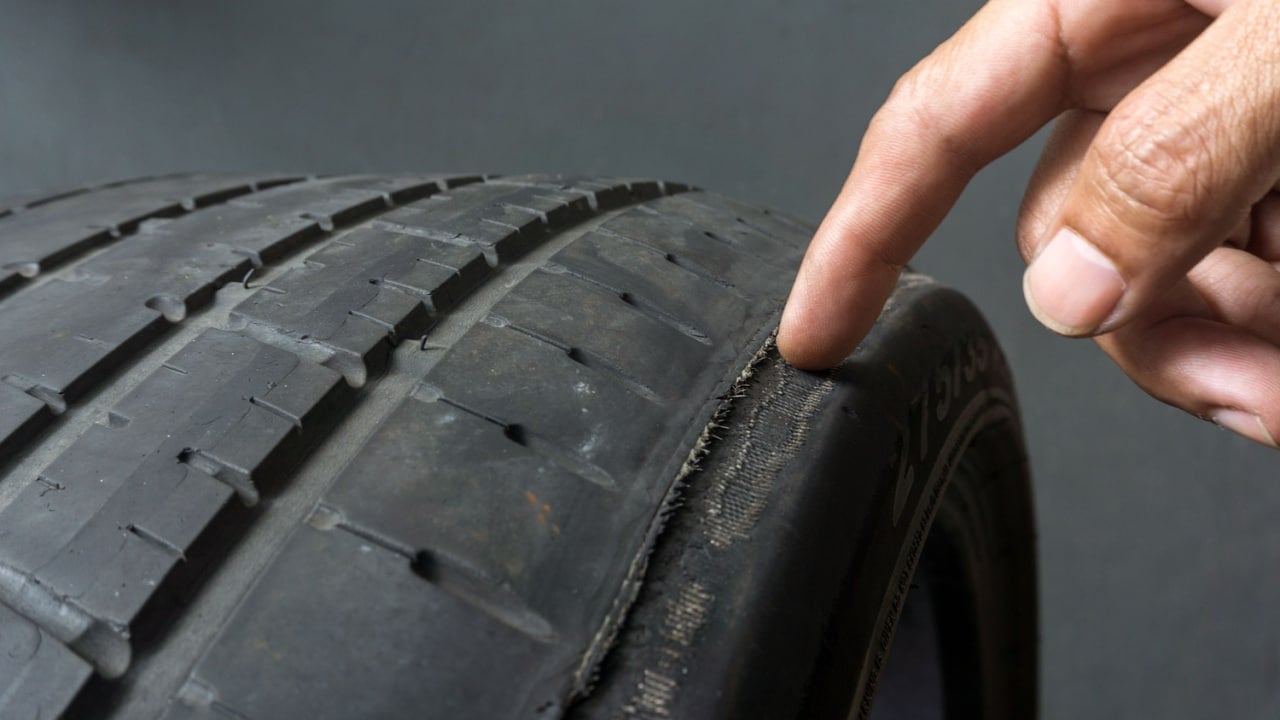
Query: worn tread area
x=493 y=515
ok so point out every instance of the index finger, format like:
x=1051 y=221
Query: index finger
x=980 y=94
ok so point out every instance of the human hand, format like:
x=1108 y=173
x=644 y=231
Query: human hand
x=1152 y=222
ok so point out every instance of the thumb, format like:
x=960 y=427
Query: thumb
x=1174 y=169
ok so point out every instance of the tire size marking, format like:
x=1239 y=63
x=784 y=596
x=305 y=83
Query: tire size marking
x=930 y=410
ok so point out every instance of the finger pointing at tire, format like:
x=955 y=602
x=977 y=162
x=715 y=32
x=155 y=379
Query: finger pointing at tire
x=979 y=95
x=1012 y=68
x=1176 y=152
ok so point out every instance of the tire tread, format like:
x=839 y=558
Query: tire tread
x=323 y=284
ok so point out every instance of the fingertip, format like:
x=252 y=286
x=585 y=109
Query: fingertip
x=797 y=348
x=803 y=343
x=806 y=357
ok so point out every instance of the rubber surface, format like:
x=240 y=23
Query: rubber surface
x=775 y=590
x=338 y=447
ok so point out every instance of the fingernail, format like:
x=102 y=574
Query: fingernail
x=1244 y=423
x=1071 y=287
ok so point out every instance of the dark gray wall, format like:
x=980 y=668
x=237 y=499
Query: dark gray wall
x=1159 y=535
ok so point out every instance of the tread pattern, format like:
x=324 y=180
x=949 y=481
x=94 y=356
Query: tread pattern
x=48 y=234
x=639 y=315
x=58 y=348
x=21 y=202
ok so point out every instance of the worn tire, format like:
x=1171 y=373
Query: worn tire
x=468 y=447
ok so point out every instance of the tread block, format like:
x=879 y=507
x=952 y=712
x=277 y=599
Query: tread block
x=55 y=338
x=15 y=203
x=500 y=481
x=507 y=234
x=690 y=248
x=533 y=510
x=46 y=235
x=350 y=296
x=607 y=330
x=122 y=473
x=506 y=219
x=777 y=226
x=739 y=224
x=487 y=374
x=404 y=188
x=448 y=541
x=288 y=649
x=99 y=522
x=603 y=193
x=662 y=255
x=21 y=415
x=265 y=226
x=138 y=288
x=39 y=676
x=348 y=286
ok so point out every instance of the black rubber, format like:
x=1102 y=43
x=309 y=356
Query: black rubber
x=467 y=447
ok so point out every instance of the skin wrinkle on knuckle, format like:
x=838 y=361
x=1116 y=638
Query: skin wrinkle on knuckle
x=1248 y=299
x=1154 y=171
x=1263 y=302
x=1246 y=85
x=1211 y=280
x=873 y=261
x=912 y=111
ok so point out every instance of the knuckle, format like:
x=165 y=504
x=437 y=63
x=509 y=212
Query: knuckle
x=904 y=111
x=910 y=90
x=912 y=110
x=1266 y=304
x=1157 y=169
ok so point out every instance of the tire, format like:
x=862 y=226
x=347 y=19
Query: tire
x=481 y=447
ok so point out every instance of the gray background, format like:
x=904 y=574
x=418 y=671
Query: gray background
x=1159 y=538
